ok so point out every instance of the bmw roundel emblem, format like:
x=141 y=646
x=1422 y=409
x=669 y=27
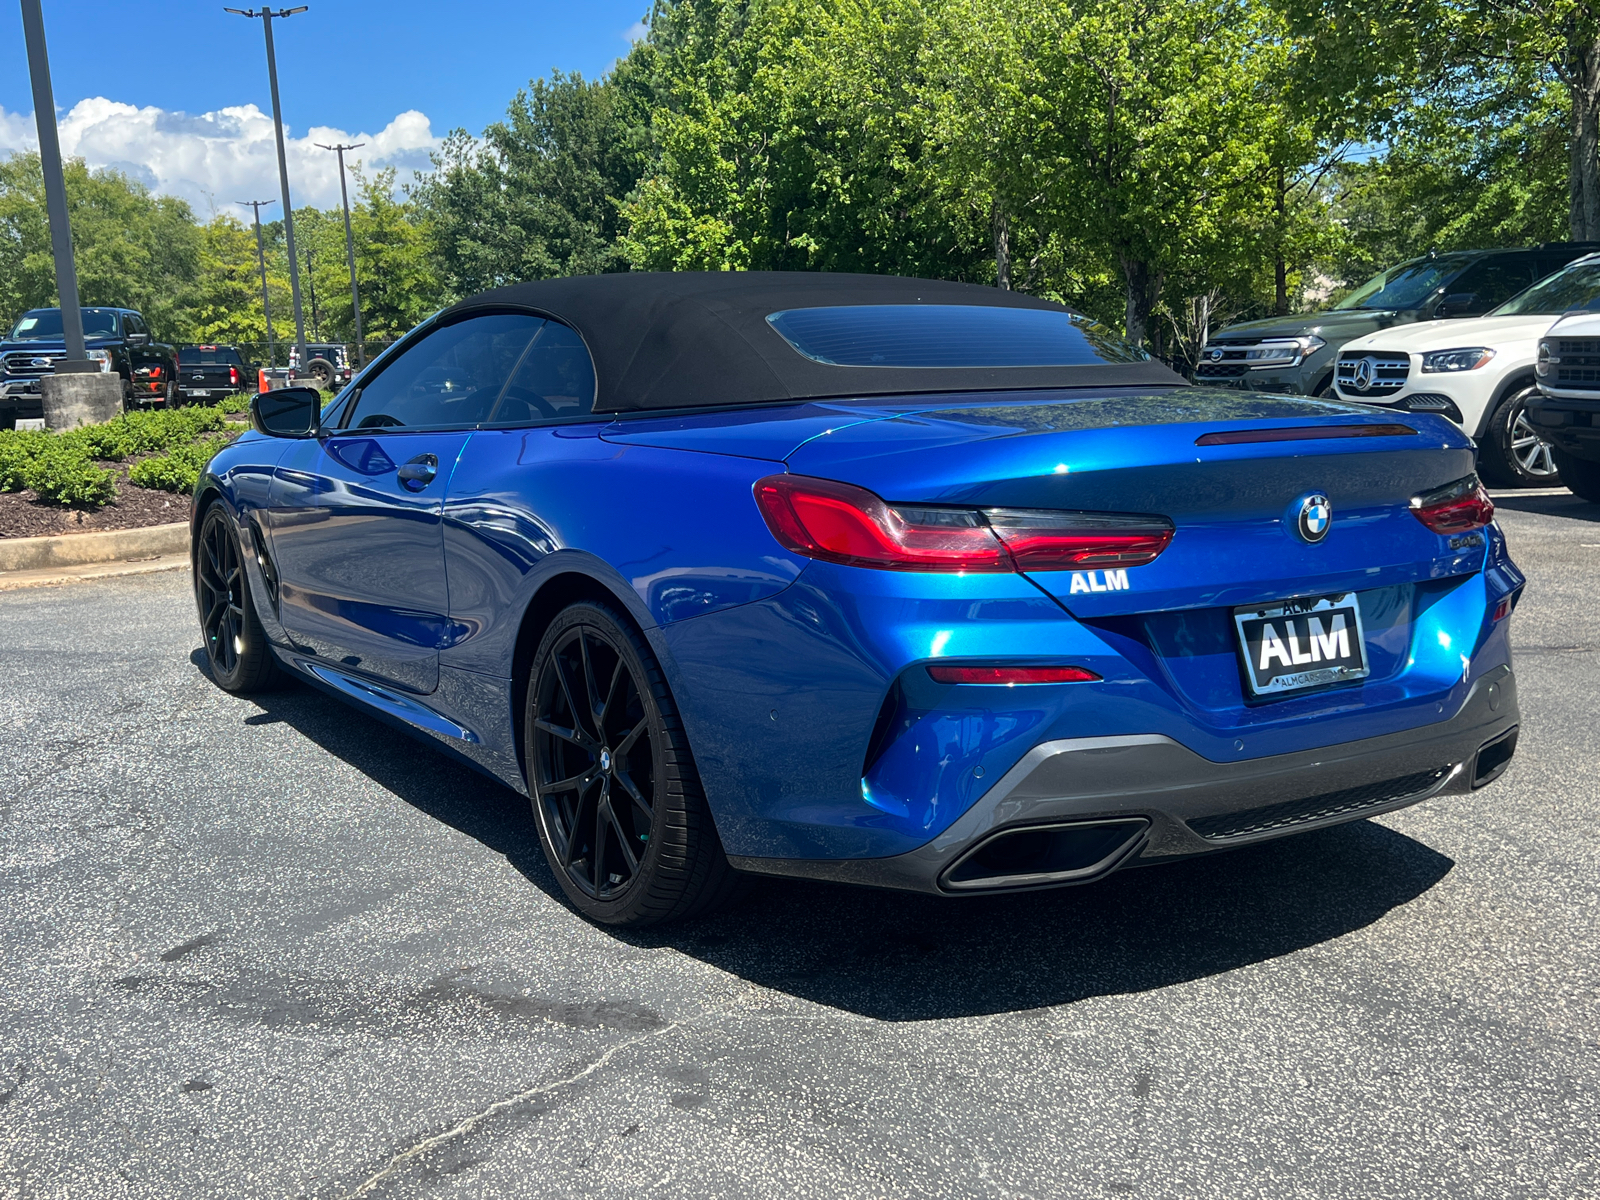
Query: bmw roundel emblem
x=1315 y=516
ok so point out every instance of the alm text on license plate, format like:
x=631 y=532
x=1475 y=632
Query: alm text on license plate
x=1297 y=644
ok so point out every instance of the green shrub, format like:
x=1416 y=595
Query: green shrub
x=176 y=471
x=239 y=402
x=142 y=432
x=64 y=473
x=17 y=451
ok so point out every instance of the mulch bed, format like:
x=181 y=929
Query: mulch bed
x=23 y=514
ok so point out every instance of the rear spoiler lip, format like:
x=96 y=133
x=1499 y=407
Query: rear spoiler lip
x=1301 y=433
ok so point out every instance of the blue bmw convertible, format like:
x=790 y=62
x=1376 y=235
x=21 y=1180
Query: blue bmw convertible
x=886 y=581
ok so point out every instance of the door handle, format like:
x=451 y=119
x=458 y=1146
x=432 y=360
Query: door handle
x=419 y=472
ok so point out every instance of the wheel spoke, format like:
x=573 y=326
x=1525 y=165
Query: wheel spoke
x=598 y=859
x=568 y=784
x=628 y=856
x=626 y=744
x=589 y=688
x=566 y=690
x=576 y=736
x=571 y=848
x=611 y=693
x=635 y=795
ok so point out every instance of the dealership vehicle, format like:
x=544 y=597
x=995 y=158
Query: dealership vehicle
x=205 y=372
x=1567 y=410
x=326 y=362
x=117 y=338
x=887 y=581
x=1478 y=372
x=1295 y=354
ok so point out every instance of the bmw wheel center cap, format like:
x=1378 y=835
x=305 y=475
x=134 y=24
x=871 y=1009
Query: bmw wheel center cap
x=1314 y=518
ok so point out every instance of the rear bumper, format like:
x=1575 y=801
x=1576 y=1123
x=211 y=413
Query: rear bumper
x=1163 y=801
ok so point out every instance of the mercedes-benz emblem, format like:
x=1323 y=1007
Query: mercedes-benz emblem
x=1363 y=376
x=1315 y=518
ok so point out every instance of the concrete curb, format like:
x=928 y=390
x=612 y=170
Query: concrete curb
x=12 y=581
x=81 y=549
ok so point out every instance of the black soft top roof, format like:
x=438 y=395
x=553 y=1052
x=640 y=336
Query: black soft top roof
x=698 y=339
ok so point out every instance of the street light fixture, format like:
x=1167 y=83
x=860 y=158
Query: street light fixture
x=261 y=261
x=350 y=250
x=266 y=15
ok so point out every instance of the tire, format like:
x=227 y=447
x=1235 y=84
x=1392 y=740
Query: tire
x=322 y=371
x=235 y=644
x=618 y=802
x=173 y=396
x=1579 y=474
x=1513 y=453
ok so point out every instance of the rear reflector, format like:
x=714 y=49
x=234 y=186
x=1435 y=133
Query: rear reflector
x=1009 y=675
x=842 y=523
x=1503 y=609
x=1301 y=433
x=1458 y=507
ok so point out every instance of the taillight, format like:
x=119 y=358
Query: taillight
x=1458 y=507
x=233 y=376
x=1047 y=540
x=842 y=523
x=1011 y=675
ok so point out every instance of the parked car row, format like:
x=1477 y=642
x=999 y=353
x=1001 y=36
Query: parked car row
x=1454 y=334
x=154 y=374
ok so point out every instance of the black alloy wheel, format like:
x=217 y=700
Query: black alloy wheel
x=617 y=800
x=235 y=643
x=1514 y=453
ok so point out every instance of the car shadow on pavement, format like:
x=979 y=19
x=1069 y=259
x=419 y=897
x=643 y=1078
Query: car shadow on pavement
x=1563 y=505
x=902 y=957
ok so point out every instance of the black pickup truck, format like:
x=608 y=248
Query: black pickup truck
x=208 y=373
x=116 y=338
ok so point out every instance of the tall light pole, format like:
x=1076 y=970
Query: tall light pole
x=261 y=261
x=350 y=250
x=266 y=15
x=55 y=192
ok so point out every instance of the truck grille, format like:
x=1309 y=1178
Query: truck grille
x=1580 y=365
x=30 y=364
x=1383 y=374
x=1224 y=358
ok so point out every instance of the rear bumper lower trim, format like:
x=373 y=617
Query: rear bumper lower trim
x=1153 y=776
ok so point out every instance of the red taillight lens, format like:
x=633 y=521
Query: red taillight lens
x=233 y=376
x=1010 y=675
x=1503 y=609
x=1458 y=507
x=839 y=522
x=1046 y=540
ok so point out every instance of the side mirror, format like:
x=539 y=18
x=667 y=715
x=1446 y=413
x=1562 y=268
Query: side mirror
x=1458 y=304
x=137 y=339
x=287 y=412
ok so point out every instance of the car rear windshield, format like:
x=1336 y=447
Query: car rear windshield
x=949 y=335
x=209 y=356
x=1407 y=285
x=45 y=323
x=1578 y=286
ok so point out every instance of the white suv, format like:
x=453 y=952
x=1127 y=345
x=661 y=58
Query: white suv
x=1477 y=371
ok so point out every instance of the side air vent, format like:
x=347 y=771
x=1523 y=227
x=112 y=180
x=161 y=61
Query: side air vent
x=1493 y=758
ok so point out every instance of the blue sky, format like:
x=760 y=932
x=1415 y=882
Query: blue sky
x=163 y=89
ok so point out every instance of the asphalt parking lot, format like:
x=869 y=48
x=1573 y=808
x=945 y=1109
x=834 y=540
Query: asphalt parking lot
x=273 y=948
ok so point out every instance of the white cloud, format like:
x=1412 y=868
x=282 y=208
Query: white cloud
x=635 y=32
x=217 y=158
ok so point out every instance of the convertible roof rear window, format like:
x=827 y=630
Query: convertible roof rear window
x=949 y=335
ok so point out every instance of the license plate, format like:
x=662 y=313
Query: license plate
x=1298 y=644
x=199 y=391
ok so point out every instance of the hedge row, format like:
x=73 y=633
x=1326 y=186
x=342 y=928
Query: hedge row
x=61 y=467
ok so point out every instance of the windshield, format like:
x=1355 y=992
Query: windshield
x=45 y=324
x=209 y=356
x=1405 y=286
x=1578 y=286
x=949 y=335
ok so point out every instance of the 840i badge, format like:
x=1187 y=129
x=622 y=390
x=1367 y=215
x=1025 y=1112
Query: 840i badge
x=1299 y=644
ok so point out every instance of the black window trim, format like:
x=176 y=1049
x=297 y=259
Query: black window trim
x=346 y=400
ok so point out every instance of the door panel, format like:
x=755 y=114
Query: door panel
x=360 y=551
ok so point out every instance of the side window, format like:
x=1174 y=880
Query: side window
x=133 y=324
x=1490 y=283
x=450 y=379
x=554 y=379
